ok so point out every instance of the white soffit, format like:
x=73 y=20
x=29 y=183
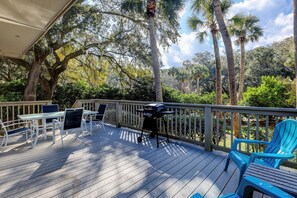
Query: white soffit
x=23 y=22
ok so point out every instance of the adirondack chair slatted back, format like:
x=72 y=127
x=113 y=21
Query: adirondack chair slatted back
x=284 y=141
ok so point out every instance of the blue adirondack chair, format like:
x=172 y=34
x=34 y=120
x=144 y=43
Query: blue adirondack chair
x=280 y=148
x=249 y=184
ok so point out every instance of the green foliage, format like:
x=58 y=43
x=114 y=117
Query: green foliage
x=207 y=98
x=142 y=90
x=273 y=92
x=171 y=94
x=65 y=95
x=12 y=91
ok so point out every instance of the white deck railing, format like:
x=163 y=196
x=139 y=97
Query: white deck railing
x=206 y=125
x=10 y=110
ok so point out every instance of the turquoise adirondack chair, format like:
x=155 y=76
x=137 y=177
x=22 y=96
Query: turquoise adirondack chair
x=249 y=184
x=280 y=148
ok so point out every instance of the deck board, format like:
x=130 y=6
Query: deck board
x=112 y=164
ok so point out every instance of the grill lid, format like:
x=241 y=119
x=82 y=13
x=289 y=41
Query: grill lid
x=154 y=107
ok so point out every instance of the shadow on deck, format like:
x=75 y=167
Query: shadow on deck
x=112 y=164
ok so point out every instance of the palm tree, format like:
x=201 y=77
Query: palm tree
x=228 y=48
x=209 y=21
x=173 y=72
x=230 y=60
x=295 y=43
x=182 y=77
x=166 y=8
x=245 y=29
x=198 y=72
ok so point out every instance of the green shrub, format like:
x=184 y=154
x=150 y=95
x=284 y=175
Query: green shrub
x=12 y=91
x=273 y=92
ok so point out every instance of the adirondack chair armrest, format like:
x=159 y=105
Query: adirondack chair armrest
x=260 y=185
x=238 y=141
x=270 y=155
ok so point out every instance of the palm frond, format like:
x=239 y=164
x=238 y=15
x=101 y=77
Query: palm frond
x=226 y=5
x=194 y=22
x=170 y=8
x=197 y=5
x=201 y=36
x=133 y=6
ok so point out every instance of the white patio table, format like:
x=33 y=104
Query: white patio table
x=43 y=116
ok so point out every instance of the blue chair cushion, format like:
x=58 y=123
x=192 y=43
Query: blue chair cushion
x=19 y=130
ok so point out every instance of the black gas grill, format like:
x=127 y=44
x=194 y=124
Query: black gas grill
x=151 y=114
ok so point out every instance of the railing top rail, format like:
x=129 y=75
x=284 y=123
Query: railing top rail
x=24 y=102
x=214 y=107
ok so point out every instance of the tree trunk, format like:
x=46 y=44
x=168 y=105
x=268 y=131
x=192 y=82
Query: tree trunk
x=32 y=80
x=228 y=49
x=295 y=43
x=242 y=70
x=48 y=87
x=156 y=66
x=230 y=61
x=198 y=87
x=218 y=69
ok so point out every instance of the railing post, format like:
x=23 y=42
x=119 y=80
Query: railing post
x=208 y=129
x=78 y=104
x=118 y=114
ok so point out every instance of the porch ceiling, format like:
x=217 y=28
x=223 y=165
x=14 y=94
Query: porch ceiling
x=23 y=22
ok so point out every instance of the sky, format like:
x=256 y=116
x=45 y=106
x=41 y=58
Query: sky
x=276 y=20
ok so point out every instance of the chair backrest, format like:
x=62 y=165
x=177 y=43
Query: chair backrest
x=72 y=119
x=284 y=141
x=48 y=109
x=101 y=111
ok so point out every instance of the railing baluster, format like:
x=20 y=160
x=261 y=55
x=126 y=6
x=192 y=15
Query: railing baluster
x=175 y=130
x=225 y=128
x=195 y=125
x=239 y=130
x=208 y=129
x=185 y=124
x=249 y=131
x=266 y=128
x=217 y=128
x=257 y=131
x=200 y=125
x=190 y=123
x=232 y=124
x=180 y=123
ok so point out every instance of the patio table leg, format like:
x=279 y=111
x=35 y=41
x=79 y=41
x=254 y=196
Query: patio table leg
x=44 y=128
x=91 y=124
x=54 y=132
x=36 y=126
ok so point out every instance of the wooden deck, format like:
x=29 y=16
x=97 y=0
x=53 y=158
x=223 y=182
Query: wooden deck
x=113 y=164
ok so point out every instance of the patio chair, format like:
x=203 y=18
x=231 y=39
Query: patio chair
x=249 y=184
x=280 y=148
x=14 y=128
x=100 y=116
x=48 y=123
x=72 y=122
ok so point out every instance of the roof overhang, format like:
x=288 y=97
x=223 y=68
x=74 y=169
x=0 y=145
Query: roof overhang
x=23 y=22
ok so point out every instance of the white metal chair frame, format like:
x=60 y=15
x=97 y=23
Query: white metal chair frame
x=48 y=109
x=101 y=122
x=14 y=128
x=77 y=128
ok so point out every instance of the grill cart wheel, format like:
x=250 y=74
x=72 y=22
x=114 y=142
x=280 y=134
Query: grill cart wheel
x=139 y=139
